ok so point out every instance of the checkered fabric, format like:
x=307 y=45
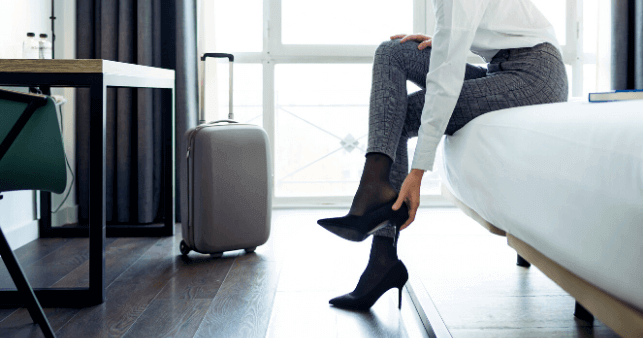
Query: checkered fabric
x=514 y=77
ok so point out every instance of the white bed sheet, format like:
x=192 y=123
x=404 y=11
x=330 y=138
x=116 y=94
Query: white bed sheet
x=566 y=178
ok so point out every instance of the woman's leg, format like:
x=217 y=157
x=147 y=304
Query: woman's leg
x=394 y=64
x=394 y=118
x=383 y=255
x=415 y=104
x=515 y=78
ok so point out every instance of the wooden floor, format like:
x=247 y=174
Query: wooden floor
x=476 y=286
x=282 y=290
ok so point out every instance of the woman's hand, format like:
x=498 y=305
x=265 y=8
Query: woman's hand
x=425 y=41
x=410 y=193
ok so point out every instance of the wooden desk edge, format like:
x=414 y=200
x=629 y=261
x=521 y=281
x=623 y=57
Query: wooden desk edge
x=96 y=66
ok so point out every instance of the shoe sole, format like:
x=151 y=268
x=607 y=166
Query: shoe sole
x=352 y=234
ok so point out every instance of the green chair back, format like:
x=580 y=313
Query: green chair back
x=36 y=158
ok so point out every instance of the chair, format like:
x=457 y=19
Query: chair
x=32 y=157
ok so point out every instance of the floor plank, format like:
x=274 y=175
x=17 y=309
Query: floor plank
x=198 y=278
x=125 y=303
x=321 y=266
x=380 y=321
x=128 y=296
x=303 y=314
x=4 y=313
x=243 y=304
x=20 y=324
x=58 y=255
x=120 y=254
x=578 y=332
x=476 y=286
x=170 y=318
x=31 y=252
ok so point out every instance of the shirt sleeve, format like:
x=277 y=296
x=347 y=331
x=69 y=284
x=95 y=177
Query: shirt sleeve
x=456 y=25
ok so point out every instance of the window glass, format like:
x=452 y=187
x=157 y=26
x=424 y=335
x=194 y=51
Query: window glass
x=237 y=26
x=589 y=79
x=321 y=128
x=343 y=22
x=247 y=94
x=556 y=12
x=570 y=76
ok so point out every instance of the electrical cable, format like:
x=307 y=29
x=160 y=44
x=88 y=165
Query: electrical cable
x=73 y=177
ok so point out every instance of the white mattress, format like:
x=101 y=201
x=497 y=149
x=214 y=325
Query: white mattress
x=565 y=178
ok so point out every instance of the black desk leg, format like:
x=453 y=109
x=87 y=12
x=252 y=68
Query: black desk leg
x=97 y=217
x=24 y=288
x=44 y=223
x=169 y=175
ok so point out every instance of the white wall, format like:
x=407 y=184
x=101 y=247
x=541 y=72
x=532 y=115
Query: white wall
x=65 y=48
x=19 y=17
x=18 y=210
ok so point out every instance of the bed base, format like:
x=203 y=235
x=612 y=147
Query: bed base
x=590 y=300
x=620 y=317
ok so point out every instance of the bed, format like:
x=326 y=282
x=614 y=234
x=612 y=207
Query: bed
x=564 y=183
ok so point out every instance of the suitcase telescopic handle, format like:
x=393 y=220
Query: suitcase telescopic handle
x=230 y=58
x=217 y=55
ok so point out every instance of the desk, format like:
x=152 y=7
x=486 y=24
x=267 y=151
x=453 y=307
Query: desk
x=97 y=75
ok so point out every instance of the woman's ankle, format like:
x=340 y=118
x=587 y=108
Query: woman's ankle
x=371 y=195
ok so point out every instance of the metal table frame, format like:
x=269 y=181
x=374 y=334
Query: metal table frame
x=97 y=75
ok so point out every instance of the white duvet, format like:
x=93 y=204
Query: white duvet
x=566 y=178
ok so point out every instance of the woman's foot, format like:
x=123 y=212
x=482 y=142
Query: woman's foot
x=358 y=228
x=383 y=272
x=374 y=187
x=372 y=205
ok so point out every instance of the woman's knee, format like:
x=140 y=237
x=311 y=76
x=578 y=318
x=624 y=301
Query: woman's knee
x=395 y=49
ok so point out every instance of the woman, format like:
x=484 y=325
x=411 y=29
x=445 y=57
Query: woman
x=525 y=67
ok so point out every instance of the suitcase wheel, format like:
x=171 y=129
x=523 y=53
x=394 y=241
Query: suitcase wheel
x=216 y=254
x=185 y=249
x=252 y=249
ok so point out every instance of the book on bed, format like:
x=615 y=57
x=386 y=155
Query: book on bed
x=617 y=95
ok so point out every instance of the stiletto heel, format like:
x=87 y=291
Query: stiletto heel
x=396 y=277
x=358 y=228
x=399 y=220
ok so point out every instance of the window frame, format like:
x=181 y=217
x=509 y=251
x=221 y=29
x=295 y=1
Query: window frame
x=274 y=52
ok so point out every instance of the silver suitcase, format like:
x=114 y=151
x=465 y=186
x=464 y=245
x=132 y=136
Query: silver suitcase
x=228 y=184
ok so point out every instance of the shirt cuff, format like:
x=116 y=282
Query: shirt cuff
x=425 y=151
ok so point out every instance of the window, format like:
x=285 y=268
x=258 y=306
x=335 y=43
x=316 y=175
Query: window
x=302 y=71
x=583 y=29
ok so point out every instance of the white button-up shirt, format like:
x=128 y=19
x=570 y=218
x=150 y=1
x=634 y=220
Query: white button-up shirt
x=483 y=27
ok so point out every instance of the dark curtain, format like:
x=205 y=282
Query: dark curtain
x=627 y=44
x=160 y=33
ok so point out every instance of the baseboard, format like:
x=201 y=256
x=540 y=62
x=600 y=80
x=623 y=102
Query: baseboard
x=325 y=202
x=22 y=234
x=68 y=215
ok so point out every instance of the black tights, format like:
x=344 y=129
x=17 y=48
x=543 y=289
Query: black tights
x=374 y=190
x=374 y=186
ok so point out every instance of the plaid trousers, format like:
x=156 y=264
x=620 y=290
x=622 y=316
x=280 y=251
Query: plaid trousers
x=514 y=77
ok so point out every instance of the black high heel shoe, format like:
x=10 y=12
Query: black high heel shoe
x=358 y=228
x=396 y=277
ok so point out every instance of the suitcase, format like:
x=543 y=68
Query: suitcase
x=228 y=184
